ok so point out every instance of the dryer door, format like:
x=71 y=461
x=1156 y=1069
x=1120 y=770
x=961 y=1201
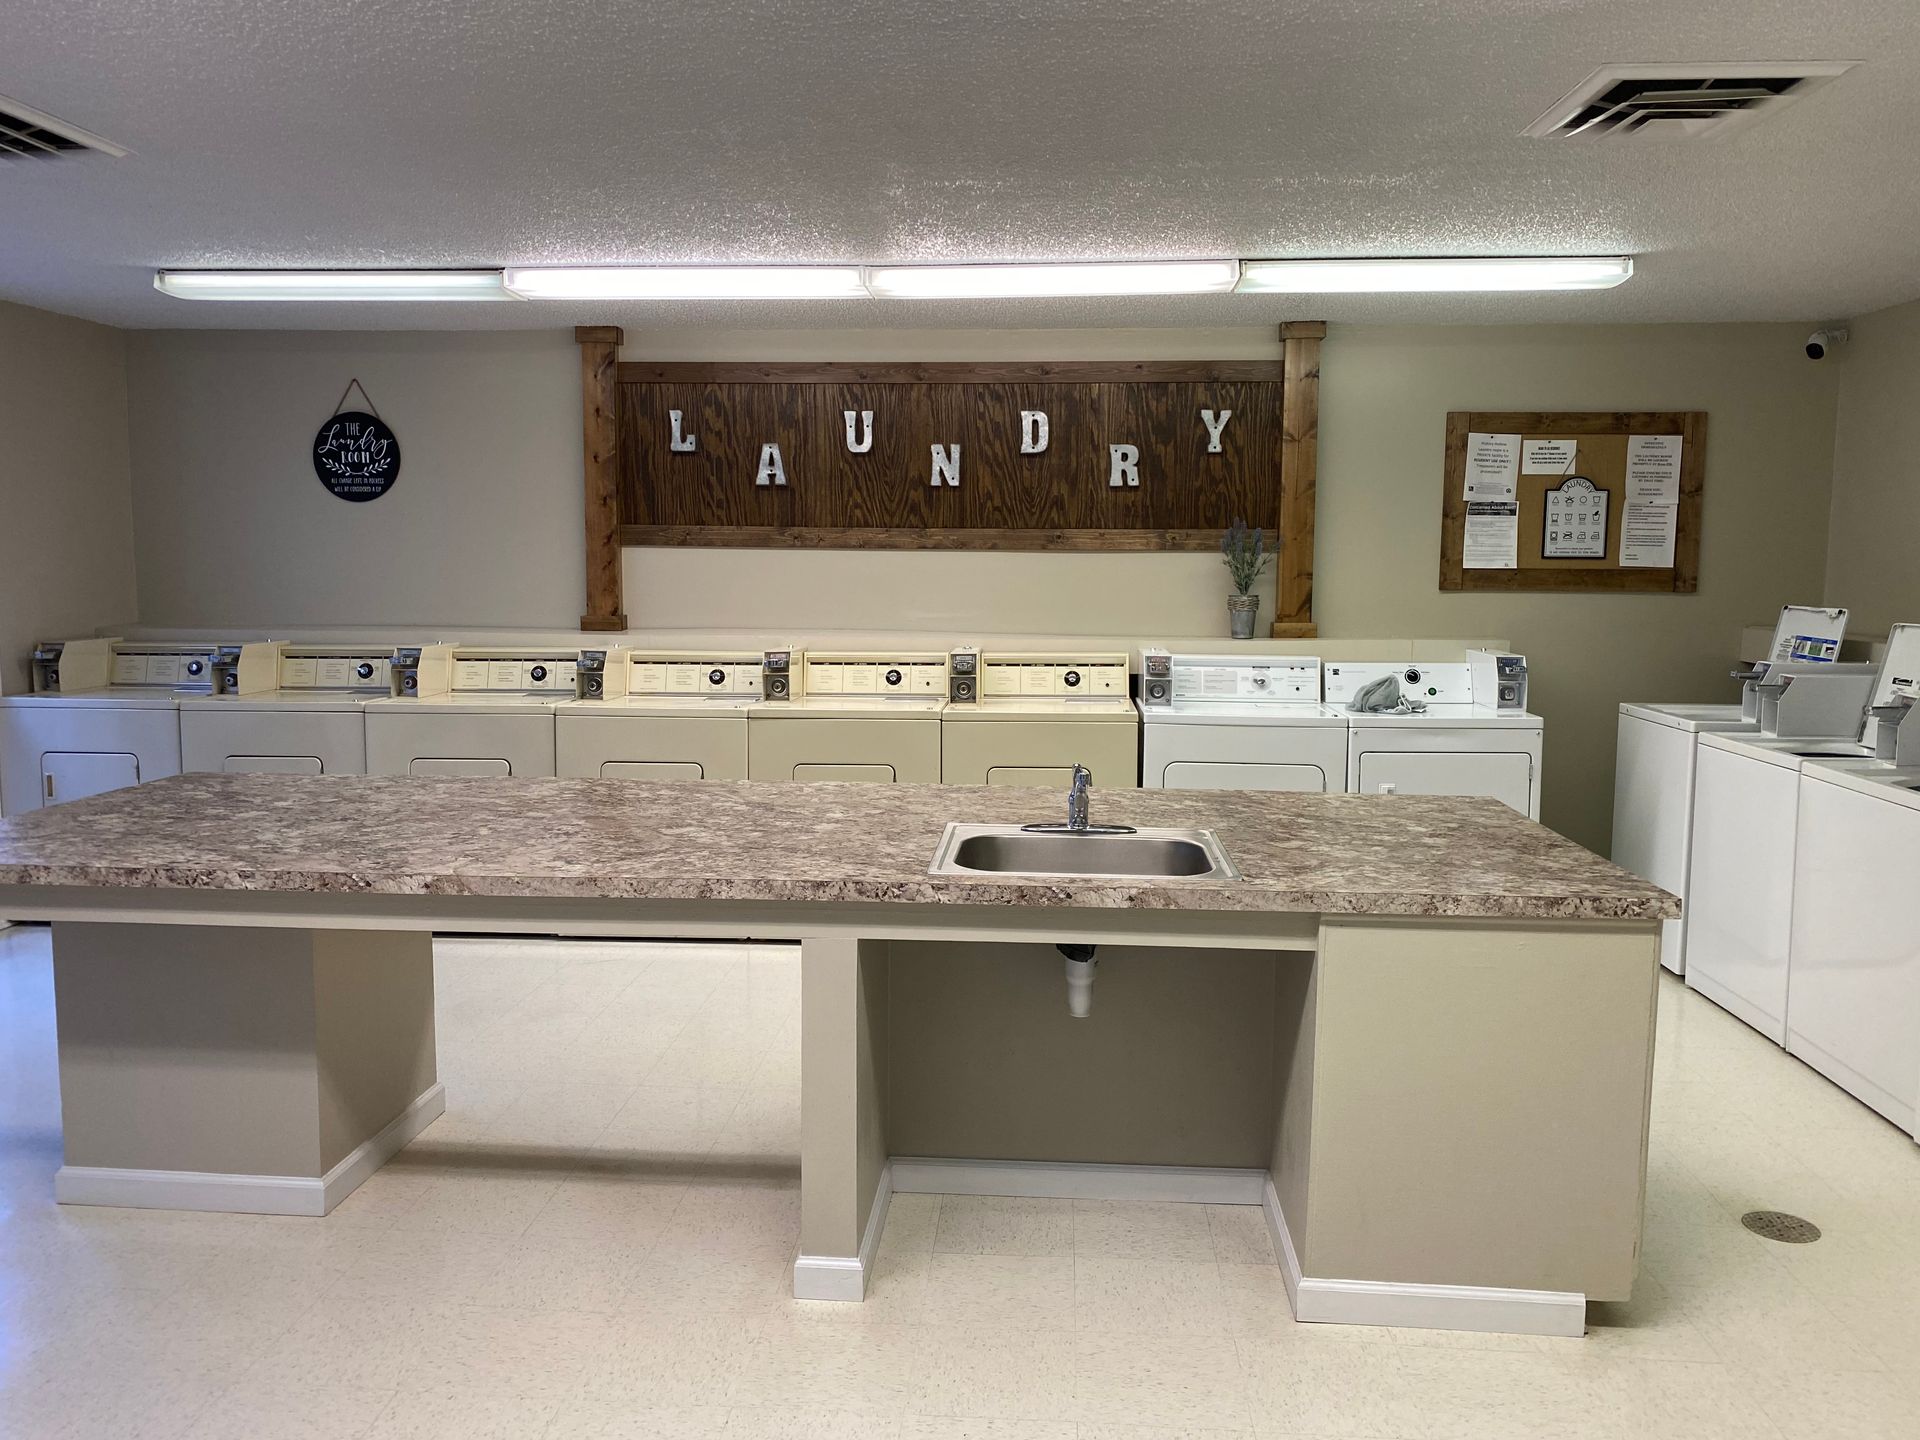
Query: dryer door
x=74 y=775
x=274 y=765
x=871 y=774
x=652 y=770
x=1502 y=776
x=1243 y=775
x=1031 y=777
x=486 y=769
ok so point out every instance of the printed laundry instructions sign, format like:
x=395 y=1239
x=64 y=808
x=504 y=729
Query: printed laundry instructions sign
x=1652 y=519
x=1548 y=457
x=1574 y=525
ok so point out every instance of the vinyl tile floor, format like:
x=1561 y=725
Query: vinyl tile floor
x=594 y=1242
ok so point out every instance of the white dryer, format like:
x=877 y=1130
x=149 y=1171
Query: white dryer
x=1471 y=738
x=286 y=710
x=868 y=716
x=104 y=714
x=1853 y=984
x=483 y=711
x=660 y=715
x=1238 y=722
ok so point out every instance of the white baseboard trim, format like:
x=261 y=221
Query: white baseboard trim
x=844 y=1277
x=1044 y=1180
x=369 y=1155
x=1416 y=1306
x=312 y=1195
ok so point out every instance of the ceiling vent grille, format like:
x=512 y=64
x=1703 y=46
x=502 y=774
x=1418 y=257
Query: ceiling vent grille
x=25 y=133
x=1679 y=102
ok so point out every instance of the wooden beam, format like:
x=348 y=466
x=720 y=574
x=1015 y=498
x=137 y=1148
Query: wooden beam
x=1299 y=477
x=599 y=365
x=880 y=537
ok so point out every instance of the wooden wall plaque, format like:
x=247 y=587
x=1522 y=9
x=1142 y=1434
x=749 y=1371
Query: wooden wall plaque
x=1059 y=498
x=1602 y=449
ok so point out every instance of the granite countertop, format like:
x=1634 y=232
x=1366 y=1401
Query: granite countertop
x=742 y=841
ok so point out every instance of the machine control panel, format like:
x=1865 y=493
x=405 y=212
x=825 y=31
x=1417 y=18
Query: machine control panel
x=1066 y=677
x=520 y=672
x=1499 y=680
x=1280 y=679
x=333 y=667
x=164 y=666
x=917 y=677
x=1446 y=683
x=684 y=674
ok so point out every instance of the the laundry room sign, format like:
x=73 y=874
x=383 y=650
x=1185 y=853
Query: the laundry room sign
x=355 y=453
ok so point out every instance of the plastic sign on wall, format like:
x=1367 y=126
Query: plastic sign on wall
x=355 y=453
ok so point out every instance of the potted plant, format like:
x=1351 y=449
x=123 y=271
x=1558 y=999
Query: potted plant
x=1247 y=558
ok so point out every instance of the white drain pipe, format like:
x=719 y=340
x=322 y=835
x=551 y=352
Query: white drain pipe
x=1080 y=962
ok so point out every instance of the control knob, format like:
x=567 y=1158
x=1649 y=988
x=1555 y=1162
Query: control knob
x=364 y=670
x=894 y=677
x=716 y=676
x=1071 y=679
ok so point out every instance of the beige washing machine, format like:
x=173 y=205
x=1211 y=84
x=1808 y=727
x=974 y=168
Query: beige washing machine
x=660 y=715
x=285 y=709
x=1030 y=718
x=871 y=717
x=485 y=711
x=103 y=714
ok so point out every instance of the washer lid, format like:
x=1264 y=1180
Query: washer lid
x=112 y=698
x=1690 y=717
x=1448 y=717
x=1230 y=712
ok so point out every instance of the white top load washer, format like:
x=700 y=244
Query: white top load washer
x=660 y=715
x=1238 y=722
x=860 y=716
x=1027 y=718
x=285 y=709
x=480 y=710
x=1475 y=737
x=1654 y=761
x=1741 y=862
x=1853 y=982
x=104 y=714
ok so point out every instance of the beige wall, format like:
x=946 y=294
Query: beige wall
x=483 y=526
x=1876 y=472
x=67 y=567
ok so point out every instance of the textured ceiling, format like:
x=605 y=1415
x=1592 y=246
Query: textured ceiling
x=452 y=132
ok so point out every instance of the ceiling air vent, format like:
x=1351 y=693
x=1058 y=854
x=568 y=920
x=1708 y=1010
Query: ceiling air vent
x=1679 y=102
x=26 y=133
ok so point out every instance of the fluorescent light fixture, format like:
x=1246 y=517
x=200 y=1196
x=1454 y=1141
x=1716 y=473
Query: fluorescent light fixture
x=1094 y=277
x=332 y=284
x=1335 y=277
x=688 y=282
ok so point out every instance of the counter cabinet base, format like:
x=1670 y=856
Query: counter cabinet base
x=261 y=1071
x=1460 y=1106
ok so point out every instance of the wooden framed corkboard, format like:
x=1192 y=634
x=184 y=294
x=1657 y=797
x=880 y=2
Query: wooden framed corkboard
x=1602 y=451
x=681 y=454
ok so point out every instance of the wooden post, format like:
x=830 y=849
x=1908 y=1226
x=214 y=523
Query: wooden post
x=1299 y=475
x=599 y=363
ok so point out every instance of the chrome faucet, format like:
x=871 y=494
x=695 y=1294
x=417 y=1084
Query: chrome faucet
x=1077 y=797
x=1079 y=791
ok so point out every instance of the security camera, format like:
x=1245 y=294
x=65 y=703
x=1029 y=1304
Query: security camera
x=1821 y=341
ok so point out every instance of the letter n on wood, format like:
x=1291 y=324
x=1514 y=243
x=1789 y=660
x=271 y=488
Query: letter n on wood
x=987 y=456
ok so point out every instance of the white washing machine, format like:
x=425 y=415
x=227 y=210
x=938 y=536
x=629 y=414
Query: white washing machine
x=1238 y=722
x=483 y=711
x=1027 y=719
x=1853 y=990
x=861 y=716
x=1470 y=739
x=286 y=710
x=104 y=714
x=660 y=715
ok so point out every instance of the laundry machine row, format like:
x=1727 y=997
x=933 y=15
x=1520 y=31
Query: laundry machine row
x=1747 y=851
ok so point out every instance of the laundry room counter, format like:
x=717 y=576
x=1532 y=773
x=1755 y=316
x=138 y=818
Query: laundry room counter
x=741 y=841
x=1415 y=1032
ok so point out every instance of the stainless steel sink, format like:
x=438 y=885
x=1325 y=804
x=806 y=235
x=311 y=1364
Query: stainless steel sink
x=1138 y=854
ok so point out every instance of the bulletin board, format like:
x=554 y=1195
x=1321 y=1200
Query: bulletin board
x=1573 y=500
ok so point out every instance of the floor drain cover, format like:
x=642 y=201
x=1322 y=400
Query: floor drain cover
x=1778 y=1225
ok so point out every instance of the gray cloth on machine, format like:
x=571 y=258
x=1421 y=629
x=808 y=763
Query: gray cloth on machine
x=1383 y=697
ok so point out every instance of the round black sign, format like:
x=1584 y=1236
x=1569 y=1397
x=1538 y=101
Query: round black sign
x=356 y=456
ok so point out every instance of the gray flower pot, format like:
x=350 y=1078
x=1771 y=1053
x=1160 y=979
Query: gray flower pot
x=1241 y=610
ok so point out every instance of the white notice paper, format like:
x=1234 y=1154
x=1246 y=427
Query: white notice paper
x=1493 y=467
x=1493 y=535
x=1652 y=515
x=1548 y=457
